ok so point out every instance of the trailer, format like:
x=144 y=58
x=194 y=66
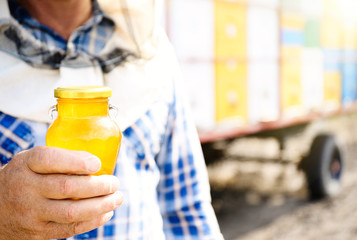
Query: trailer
x=269 y=68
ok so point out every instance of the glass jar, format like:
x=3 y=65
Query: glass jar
x=84 y=123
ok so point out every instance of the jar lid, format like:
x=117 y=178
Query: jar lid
x=83 y=92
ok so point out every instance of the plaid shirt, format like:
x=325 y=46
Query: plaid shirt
x=160 y=165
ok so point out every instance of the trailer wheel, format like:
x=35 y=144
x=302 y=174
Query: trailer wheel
x=324 y=167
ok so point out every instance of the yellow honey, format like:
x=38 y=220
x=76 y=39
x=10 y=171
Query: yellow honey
x=84 y=124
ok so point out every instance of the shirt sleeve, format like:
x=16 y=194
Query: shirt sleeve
x=183 y=190
x=15 y=136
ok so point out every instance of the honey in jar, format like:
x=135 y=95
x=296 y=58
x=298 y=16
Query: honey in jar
x=84 y=124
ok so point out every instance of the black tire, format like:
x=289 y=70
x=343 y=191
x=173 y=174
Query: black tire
x=324 y=167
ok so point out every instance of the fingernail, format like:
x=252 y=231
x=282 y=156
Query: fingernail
x=108 y=216
x=94 y=164
x=118 y=198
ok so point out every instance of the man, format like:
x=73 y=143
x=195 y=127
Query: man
x=164 y=192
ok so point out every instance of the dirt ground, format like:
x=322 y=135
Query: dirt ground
x=257 y=199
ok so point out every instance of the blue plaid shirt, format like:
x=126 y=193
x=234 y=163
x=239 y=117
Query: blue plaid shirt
x=160 y=165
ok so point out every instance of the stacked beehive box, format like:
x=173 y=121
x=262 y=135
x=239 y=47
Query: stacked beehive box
x=263 y=60
x=193 y=39
x=252 y=61
x=312 y=75
x=349 y=56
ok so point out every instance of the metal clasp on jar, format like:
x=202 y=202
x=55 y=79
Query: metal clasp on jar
x=53 y=112
x=113 y=111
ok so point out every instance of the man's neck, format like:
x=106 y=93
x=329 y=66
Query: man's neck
x=63 y=16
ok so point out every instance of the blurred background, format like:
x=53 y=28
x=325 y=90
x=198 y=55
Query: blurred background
x=273 y=88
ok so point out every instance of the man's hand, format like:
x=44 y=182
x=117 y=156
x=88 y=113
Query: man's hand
x=46 y=193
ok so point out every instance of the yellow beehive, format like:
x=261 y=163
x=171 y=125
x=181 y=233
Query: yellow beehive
x=332 y=89
x=231 y=93
x=331 y=32
x=331 y=27
x=291 y=88
x=230 y=29
x=292 y=21
x=349 y=37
